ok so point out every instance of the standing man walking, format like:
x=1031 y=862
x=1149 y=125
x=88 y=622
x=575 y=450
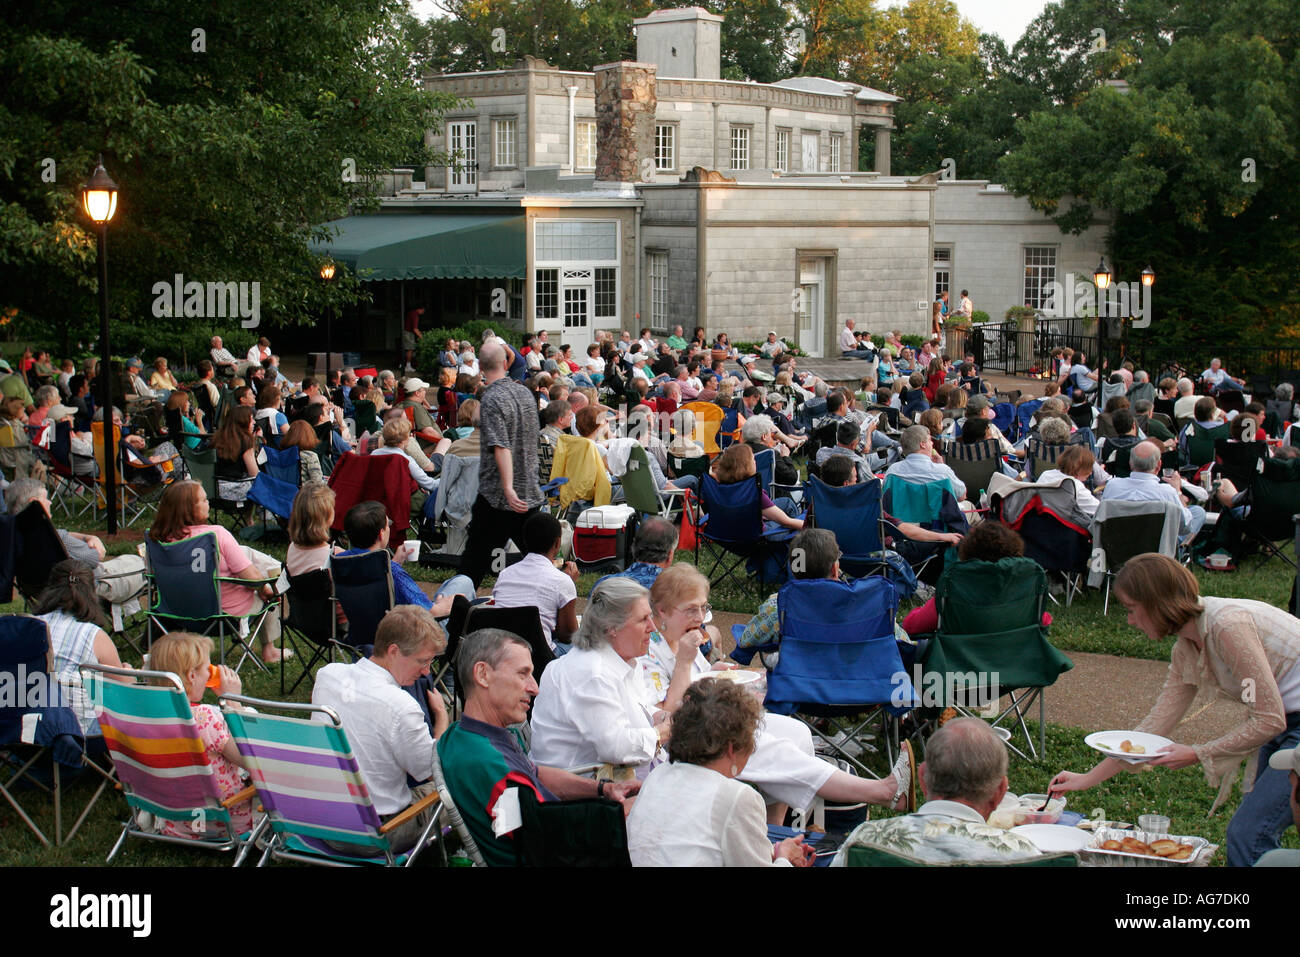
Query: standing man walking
x=507 y=480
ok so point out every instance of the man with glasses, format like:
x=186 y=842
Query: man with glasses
x=386 y=726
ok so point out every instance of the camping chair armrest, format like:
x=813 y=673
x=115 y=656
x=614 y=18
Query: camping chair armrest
x=669 y=492
x=421 y=805
x=551 y=487
x=245 y=795
x=778 y=487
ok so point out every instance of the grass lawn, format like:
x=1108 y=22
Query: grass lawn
x=1182 y=795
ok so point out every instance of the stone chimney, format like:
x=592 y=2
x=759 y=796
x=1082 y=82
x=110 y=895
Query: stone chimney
x=685 y=42
x=625 y=120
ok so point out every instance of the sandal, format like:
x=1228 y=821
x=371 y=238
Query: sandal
x=902 y=773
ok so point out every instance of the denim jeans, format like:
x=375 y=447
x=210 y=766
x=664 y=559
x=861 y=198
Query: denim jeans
x=1265 y=813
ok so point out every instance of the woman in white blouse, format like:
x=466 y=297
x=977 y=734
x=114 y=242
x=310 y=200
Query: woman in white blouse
x=1075 y=464
x=596 y=706
x=693 y=812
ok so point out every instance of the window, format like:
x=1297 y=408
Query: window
x=942 y=271
x=665 y=147
x=657 y=267
x=547 y=293
x=837 y=151
x=567 y=240
x=782 y=150
x=606 y=293
x=740 y=147
x=584 y=144
x=1040 y=272
x=462 y=146
x=811 y=152
x=516 y=293
x=503 y=142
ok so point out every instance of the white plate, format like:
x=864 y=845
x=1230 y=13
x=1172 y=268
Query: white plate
x=1050 y=838
x=1108 y=742
x=740 y=676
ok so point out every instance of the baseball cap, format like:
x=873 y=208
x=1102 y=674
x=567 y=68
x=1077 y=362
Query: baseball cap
x=1286 y=760
x=976 y=403
x=774 y=397
x=414 y=384
x=134 y=363
x=60 y=411
x=771 y=332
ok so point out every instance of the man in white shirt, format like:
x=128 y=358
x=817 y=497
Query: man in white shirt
x=260 y=350
x=1186 y=402
x=222 y=358
x=385 y=724
x=917 y=464
x=965 y=307
x=849 y=346
x=1144 y=485
x=773 y=347
x=536 y=581
x=1218 y=378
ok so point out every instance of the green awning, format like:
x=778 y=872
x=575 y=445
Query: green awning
x=428 y=246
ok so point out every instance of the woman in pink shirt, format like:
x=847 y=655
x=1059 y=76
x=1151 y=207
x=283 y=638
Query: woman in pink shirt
x=183 y=513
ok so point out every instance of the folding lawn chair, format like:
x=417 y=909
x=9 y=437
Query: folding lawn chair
x=186 y=595
x=1041 y=456
x=931 y=505
x=991 y=642
x=310 y=614
x=524 y=622
x=1054 y=529
x=975 y=463
x=72 y=491
x=1240 y=462
x=309 y=783
x=201 y=466
x=363 y=586
x=708 y=422
x=379 y=478
x=161 y=761
x=853 y=515
x=1274 y=498
x=452 y=814
x=1201 y=442
x=1121 y=530
x=731 y=527
x=41 y=738
x=839 y=670
x=640 y=491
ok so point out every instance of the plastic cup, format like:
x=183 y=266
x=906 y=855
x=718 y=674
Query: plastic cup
x=214 y=677
x=1153 y=823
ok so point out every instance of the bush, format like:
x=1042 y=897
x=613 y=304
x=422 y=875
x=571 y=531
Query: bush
x=914 y=342
x=979 y=315
x=433 y=341
x=1016 y=313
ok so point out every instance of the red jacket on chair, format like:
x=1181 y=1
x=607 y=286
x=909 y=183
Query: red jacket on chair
x=378 y=478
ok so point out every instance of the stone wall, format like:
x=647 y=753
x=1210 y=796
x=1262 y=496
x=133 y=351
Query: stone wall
x=625 y=120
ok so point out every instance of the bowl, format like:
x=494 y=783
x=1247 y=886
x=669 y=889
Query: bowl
x=1027 y=812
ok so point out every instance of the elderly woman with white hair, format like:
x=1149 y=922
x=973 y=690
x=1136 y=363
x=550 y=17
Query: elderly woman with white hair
x=602 y=704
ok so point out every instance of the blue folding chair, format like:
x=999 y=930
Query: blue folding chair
x=727 y=430
x=1004 y=416
x=731 y=525
x=35 y=757
x=1024 y=417
x=277 y=483
x=363 y=585
x=839 y=669
x=853 y=515
x=185 y=595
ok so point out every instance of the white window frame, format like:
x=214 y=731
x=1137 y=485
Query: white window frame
x=657 y=272
x=462 y=172
x=942 y=266
x=579 y=158
x=740 y=140
x=505 y=142
x=781 y=151
x=666 y=147
x=1040 y=272
x=836 y=162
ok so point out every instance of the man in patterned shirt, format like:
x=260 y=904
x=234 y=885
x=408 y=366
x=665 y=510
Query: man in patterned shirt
x=508 y=491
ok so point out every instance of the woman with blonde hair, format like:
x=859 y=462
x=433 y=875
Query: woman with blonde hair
x=1247 y=652
x=162 y=378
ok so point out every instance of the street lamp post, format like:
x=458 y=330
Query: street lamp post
x=99 y=200
x=327 y=276
x=1101 y=276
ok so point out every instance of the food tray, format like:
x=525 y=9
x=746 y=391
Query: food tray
x=1095 y=855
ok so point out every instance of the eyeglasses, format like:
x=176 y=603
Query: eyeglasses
x=696 y=611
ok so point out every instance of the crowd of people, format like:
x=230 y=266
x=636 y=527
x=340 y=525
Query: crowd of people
x=700 y=767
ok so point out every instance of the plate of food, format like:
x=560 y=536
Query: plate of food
x=740 y=676
x=1135 y=747
x=1140 y=849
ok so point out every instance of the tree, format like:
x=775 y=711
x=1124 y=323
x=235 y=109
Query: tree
x=234 y=131
x=1193 y=160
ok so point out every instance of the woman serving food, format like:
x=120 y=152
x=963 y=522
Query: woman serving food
x=1247 y=650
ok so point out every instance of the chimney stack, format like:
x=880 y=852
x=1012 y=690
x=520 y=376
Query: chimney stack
x=684 y=43
x=625 y=120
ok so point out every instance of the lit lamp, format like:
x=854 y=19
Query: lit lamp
x=99 y=200
x=327 y=276
x=1148 y=277
x=1101 y=275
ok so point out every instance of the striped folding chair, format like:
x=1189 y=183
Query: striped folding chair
x=311 y=787
x=161 y=761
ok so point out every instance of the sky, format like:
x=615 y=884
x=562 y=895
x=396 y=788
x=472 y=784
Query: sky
x=1007 y=18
